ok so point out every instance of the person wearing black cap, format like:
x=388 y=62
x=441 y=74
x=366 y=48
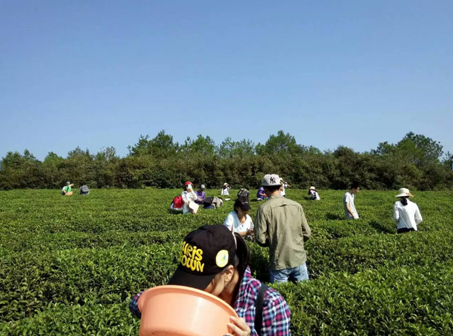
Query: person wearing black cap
x=239 y=220
x=214 y=260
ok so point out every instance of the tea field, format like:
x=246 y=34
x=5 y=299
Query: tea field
x=69 y=265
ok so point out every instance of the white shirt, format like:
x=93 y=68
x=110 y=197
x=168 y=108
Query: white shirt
x=225 y=191
x=349 y=198
x=283 y=191
x=188 y=197
x=233 y=220
x=315 y=194
x=407 y=217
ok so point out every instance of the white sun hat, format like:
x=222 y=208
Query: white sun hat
x=312 y=188
x=404 y=192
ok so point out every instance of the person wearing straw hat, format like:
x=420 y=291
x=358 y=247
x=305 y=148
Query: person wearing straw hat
x=281 y=225
x=406 y=213
x=314 y=196
x=215 y=260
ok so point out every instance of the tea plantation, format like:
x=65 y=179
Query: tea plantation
x=69 y=265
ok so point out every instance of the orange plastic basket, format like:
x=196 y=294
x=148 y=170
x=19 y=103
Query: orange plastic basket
x=183 y=311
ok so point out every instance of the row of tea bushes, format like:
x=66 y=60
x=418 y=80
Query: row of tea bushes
x=109 y=275
x=405 y=301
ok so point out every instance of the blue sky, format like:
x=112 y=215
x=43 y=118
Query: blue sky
x=100 y=73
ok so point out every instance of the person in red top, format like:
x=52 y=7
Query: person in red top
x=224 y=272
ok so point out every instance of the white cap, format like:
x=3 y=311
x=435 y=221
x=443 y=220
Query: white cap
x=271 y=180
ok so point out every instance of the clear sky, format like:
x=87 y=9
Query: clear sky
x=100 y=73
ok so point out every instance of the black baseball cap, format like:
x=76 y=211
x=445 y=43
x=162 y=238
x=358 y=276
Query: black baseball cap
x=243 y=204
x=205 y=253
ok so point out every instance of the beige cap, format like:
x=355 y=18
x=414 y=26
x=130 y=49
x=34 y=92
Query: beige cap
x=404 y=192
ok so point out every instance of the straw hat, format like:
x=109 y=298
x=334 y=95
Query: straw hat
x=312 y=188
x=403 y=192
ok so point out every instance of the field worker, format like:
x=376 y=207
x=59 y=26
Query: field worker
x=239 y=220
x=225 y=190
x=226 y=274
x=314 y=196
x=348 y=202
x=84 y=190
x=67 y=190
x=283 y=187
x=260 y=194
x=281 y=225
x=406 y=213
x=189 y=197
x=201 y=195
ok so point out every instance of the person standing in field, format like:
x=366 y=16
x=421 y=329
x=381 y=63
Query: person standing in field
x=67 y=190
x=281 y=225
x=201 y=195
x=284 y=186
x=314 y=196
x=406 y=213
x=348 y=202
x=189 y=197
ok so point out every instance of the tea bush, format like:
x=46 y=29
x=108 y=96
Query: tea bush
x=69 y=265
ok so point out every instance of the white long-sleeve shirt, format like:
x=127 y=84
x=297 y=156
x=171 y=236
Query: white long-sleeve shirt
x=407 y=217
x=188 y=197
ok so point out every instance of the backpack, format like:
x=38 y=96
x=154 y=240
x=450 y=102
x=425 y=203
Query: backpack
x=216 y=201
x=208 y=201
x=244 y=195
x=178 y=202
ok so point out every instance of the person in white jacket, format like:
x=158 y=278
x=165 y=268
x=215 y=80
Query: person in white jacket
x=189 y=197
x=406 y=213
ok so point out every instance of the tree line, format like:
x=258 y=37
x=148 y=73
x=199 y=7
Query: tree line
x=416 y=162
